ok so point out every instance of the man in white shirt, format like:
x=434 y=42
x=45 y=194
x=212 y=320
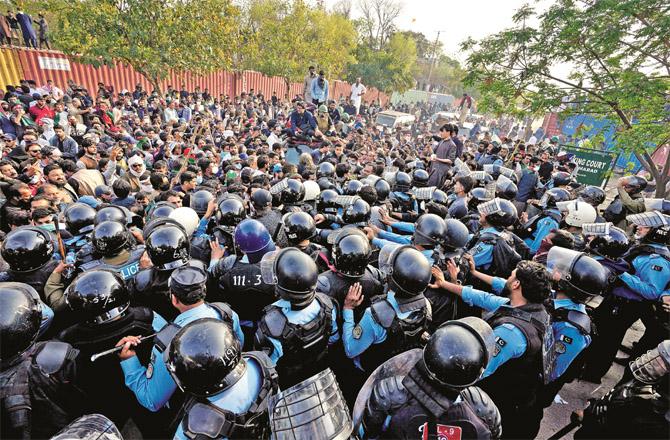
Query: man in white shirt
x=357 y=92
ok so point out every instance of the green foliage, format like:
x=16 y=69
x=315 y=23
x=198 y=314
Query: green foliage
x=617 y=57
x=153 y=36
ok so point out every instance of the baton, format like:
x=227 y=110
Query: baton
x=576 y=419
x=97 y=356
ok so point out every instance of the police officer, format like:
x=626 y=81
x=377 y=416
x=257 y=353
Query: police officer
x=636 y=408
x=514 y=375
x=168 y=248
x=629 y=200
x=290 y=194
x=261 y=202
x=297 y=329
x=437 y=397
x=476 y=197
x=577 y=213
x=152 y=385
x=79 y=219
x=228 y=390
x=238 y=280
x=100 y=300
x=37 y=380
x=405 y=207
x=29 y=253
x=634 y=294
x=550 y=218
x=298 y=228
x=395 y=322
x=594 y=196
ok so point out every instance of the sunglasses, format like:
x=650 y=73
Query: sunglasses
x=137 y=165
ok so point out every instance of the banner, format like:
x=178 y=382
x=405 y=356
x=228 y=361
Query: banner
x=592 y=165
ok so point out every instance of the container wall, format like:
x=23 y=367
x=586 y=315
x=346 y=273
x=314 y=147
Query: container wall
x=10 y=68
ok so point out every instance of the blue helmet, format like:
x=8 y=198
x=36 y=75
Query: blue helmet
x=252 y=238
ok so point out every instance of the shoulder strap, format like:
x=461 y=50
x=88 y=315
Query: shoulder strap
x=580 y=320
x=224 y=310
x=270 y=384
x=383 y=312
x=165 y=336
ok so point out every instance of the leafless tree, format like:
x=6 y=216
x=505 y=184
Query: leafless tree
x=377 y=20
x=344 y=8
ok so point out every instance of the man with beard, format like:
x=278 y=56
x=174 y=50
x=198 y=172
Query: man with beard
x=18 y=199
x=136 y=168
x=54 y=175
x=64 y=143
x=90 y=158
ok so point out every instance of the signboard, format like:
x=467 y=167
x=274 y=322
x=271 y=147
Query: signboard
x=592 y=165
x=52 y=63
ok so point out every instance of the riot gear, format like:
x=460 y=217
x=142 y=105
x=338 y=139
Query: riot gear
x=658 y=223
x=98 y=295
x=161 y=210
x=260 y=199
x=578 y=275
x=653 y=365
x=352 y=187
x=291 y=191
x=90 y=427
x=657 y=205
x=419 y=178
x=499 y=213
x=325 y=169
x=294 y=275
x=383 y=189
x=351 y=253
x=403 y=182
x=168 y=247
x=158 y=222
x=477 y=196
x=458 y=352
x=20 y=318
x=577 y=213
x=407 y=270
x=326 y=202
x=110 y=237
x=325 y=184
x=553 y=196
x=253 y=239
x=430 y=230
x=186 y=217
x=199 y=201
x=357 y=213
x=561 y=178
x=482 y=177
x=298 y=226
x=456 y=237
x=205 y=357
x=231 y=212
x=635 y=184
x=592 y=195
x=111 y=213
x=505 y=188
x=608 y=240
x=27 y=249
x=79 y=218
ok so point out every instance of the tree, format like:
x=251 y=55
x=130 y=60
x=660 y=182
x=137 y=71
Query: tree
x=343 y=8
x=377 y=21
x=153 y=36
x=617 y=57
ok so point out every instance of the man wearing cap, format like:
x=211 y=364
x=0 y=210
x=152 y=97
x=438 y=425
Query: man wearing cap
x=153 y=386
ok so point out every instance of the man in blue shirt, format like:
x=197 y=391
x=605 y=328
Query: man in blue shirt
x=494 y=216
x=319 y=89
x=153 y=386
x=548 y=219
x=302 y=121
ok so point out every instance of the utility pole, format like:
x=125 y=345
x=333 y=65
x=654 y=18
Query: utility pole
x=432 y=64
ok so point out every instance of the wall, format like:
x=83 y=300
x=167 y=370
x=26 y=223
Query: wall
x=41 y=65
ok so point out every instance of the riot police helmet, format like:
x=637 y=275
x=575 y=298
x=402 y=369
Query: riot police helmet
x=561 y=178
x=168 y=247
x=458 y=352
x=79 y=218
x=357 y=213
x=260 y=199
x=325 y=184
x=407 y=270
x=402 y=183
x=20 y=319
x=499 y=213
x=326 y=203
x=161 y=210
x=199 y=201
x=429 y=231
x=593 y=195
x=298 y=226
x=478 y=195
x=325 y=169
x=187 y=218
x=420 y=178
x=205 y=358
x=99 y=296
x=351 y=253
x=110 y=237
x=657 y=225
x=505 y=188
x=231 y=211
x=253 y=239
x=553 y=196
x=576 y=274
x=27 y=248
x=352 y=187
x=111 y=213
x=577 y=213
x=456 y=237
x=383 y=189
x=159 y=222
x=608 y=241
x=293 y=193
x=294 y=274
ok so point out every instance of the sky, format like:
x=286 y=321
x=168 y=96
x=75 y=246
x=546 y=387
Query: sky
x=457 y=19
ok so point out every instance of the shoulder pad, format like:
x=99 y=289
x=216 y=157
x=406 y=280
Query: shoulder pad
x=376 y=273
x=275 y=322
x=224 y=310
x=580 y=320
x=383 y=312
x=388 y=393
x=52 y=356
x=267 y=364
x=483 y=406
x=325 y=301
x=204 y=420
x=143 y=280
x=90 y=265
x=228 y=262
x=323 y=284
x=164 y=337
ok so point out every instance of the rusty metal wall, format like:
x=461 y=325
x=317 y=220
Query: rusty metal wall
x=10 y=68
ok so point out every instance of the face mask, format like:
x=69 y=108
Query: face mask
x=48 y=227
x=198 y=180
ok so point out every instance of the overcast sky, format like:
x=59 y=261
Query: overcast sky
x=457 y=19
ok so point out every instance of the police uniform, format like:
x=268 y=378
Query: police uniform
x=153 y=386
x=36 y=279
x=126 y=263
x=404 y=203
x=550 y=220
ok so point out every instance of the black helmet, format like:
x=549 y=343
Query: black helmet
x=403 y=182
x=457 y=236
x=407 y=270
x=161 y=210
x=561 y=178
x=325 y=169
x=111 y=213
x=293 y=193
x=553 y=196
x=20 y=318
x=477 y=196
x=658 y=223
x=383 y=189
x=608 y=240
x=592 y=195
x=231 y=212
x=635 y=184
x=499 y=213
x=352 y=187
x=326 y=203
x=79 y=218
x=27 y=248
x=438 y=203
x=296 y=276
x=581 y=277
x=325 y=183
x=351 y=253
x=260 y=199
x=110 y=237
x=199 y=201
x=505 y=188
x=205 y=357
x=420 y=178
x=298 y=226
x=457 y=352
x=99 y=295
x=160 y=221
x=357 y=213
x=429 y=230
x=168 y=247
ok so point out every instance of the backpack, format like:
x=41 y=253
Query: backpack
x=505 y=257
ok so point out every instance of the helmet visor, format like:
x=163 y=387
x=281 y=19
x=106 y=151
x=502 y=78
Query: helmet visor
x=652 y=219
x=490 y=207
x=596 y=229
x=424 y=193
x=386 y=258
x=268 y=273
x=560 y=262
x=279 y=187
